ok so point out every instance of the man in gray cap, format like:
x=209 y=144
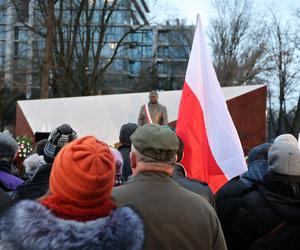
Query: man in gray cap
x=174 y=217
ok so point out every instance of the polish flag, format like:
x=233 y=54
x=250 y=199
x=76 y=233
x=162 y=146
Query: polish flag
x=212 y=148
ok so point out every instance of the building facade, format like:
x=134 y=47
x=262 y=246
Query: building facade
x=130 y=55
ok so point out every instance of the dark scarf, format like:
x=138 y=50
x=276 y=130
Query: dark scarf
x=284 y=185
x=71 y=210
x=5 y=166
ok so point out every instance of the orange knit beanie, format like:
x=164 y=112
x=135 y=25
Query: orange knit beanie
x=84 y=172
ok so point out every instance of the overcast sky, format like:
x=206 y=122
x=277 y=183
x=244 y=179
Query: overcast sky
x=188 y=9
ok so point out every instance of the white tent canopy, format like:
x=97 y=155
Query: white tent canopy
x=102 y=116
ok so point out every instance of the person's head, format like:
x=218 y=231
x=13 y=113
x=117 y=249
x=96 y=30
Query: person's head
x=153 y=97
x=259 y=152
x=32 y=163
x=39 y=146
x=125 y=133
x=58 y=138
x=118 y=165
x=283 y=177
x=8 y=147
x=154 y=148
x=284 y=158
x=83 y=172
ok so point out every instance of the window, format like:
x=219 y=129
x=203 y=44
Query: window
x=2 y=32
x=142 y=52
x=23 y=6
x=3 y=15
x=163 y=37
x=142 y=37
x=113 y=34
x=163 y=68
x=117 y=65
x=2 y=48
x=20 y=49
x=163 y=52
x=2 y=62
x=21 y=33
x=147 y=37
x=183 y=52
x=135 y=67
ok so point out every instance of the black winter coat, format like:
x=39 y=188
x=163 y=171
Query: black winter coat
x=36 y=186
x=193 y=185
x=255 y=218
x=5 y=201
x=126 y=170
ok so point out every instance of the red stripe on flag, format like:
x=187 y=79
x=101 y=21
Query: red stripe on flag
x=198 y=159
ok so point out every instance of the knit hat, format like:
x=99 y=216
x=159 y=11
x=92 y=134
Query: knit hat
x=58 y=138
x=32 y=163
x=259 y=152
x=8 y=145
x=288 y=138
x=83 y=172
x=155 y=141
x=125 y=133
x=284 y=158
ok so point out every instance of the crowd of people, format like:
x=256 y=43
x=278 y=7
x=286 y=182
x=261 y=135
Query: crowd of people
x=80 y=193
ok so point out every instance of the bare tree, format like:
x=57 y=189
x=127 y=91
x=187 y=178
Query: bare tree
x=296 y=122
x=48 y=60
x=284 y=116
x=238 y=45
x=89 y=37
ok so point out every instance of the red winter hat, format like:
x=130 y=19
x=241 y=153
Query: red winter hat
x=84 y=172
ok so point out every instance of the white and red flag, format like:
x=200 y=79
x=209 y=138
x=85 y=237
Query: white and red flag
x=212 y=148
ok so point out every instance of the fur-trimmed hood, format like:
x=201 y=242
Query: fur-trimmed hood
x=31 y=226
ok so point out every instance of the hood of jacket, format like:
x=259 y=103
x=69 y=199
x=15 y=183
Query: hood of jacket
x=256 y=172
x=30 y=225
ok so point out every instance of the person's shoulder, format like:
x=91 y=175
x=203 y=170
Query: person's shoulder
x=192 y=183
x=162 y=106
x=142 y=108
x=197 y=182
x=121 y=189
x=189 y=194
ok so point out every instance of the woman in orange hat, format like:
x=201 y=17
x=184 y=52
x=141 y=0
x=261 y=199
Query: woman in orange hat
x=77 y=212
